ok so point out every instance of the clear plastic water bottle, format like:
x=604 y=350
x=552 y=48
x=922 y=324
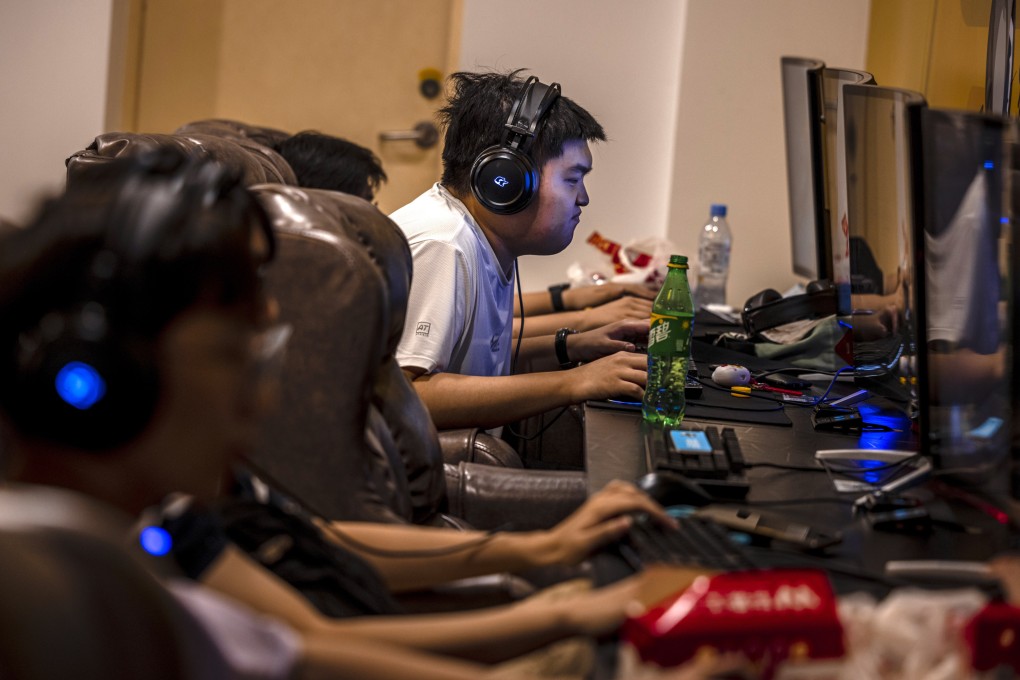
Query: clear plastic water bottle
x=669 y=347
x=714 y=258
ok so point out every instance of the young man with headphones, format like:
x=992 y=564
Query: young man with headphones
x=515 y=158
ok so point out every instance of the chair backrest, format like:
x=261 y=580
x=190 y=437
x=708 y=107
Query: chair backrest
x=313 y=444
x=399 y=424
x=234 y=129
x=74 y=603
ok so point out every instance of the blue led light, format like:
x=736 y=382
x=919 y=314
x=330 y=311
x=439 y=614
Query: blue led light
x=1004 y=220
x=989 y=165
x=80 y=385
x=155 y=541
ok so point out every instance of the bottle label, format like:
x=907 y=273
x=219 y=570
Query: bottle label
x=669 y=335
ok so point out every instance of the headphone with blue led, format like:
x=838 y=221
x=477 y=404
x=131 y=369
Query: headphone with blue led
x=85 y=374
x=504 y=178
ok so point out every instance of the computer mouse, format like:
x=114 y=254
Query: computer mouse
x=731 y=375
x=672 y=489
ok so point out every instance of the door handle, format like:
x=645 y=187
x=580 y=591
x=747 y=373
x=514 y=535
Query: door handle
x=424 y=134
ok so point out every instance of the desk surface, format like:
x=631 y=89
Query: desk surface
x=614 y=449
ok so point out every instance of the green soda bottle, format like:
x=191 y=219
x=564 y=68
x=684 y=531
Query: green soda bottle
x=669 y=347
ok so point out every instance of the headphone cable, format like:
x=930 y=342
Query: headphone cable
x=513 y=365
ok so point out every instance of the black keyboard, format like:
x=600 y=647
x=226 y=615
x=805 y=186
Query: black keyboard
x=719 y=471
x=696 y=543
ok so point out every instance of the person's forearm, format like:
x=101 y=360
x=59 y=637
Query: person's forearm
x=325 y=658
x=535 y=303
x=510 y=551
x=511 y=629
x=548 y=324
x=480 y=401
x=489 y=635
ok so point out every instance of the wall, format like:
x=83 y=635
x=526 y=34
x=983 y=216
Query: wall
x=935 y=47
x=730 y=145
x=345 y=67
x=689 y=93
x=671 y=152
x=52 y=93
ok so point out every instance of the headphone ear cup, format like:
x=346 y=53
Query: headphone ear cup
x=83 y=390
x=754 y=303
x=503 y=180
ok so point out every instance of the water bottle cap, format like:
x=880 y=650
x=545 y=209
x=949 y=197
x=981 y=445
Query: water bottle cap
x=718 y=210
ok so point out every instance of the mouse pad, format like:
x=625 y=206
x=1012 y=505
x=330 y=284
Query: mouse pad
x=719 y=405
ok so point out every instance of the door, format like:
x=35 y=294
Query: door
x=351 y=68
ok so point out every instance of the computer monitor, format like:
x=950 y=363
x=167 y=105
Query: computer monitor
x=999 y=61
x=811 y=105
x=881 y=131
x=967 y=323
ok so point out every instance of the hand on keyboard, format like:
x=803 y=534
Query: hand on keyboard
x=603 y=519
x=693 y=542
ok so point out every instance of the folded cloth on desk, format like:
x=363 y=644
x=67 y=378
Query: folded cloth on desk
x=815 y=349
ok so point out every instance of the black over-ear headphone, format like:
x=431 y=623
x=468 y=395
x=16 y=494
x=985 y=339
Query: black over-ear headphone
x=768 y=309
x=504 y=179
x=86 y=375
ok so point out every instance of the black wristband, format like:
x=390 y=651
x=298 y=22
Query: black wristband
x=561 y=347
x=556 y=293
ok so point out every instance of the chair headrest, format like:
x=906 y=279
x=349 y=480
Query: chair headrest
x=330 y=214
x=256 y=162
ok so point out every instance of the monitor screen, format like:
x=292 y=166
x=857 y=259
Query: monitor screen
x=802 y=118
x=967 y=327
x=999 y=61
x=882 y=137
x=811 y=105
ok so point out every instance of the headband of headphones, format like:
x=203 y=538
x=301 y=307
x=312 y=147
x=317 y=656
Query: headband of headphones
x=527 y=112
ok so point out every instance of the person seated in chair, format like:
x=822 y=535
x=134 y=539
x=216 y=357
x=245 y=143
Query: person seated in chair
x=322 y=161
x=514 y=162
x=135 y=334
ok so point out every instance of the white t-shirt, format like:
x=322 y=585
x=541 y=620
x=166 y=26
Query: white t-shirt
x=461 y=307
x=962 y=272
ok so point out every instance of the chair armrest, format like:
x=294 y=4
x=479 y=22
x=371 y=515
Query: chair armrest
x=476 y=446
x=490 y=497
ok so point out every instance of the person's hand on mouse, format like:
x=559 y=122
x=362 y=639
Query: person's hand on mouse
x=602 y=519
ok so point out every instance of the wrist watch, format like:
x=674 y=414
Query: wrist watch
x=556 y=293
x=561 y=348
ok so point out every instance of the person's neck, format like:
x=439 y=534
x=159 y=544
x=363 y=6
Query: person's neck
x=492 y=226
x=98 y=475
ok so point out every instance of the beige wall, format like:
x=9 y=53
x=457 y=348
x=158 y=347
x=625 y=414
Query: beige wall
x=729 y=147
x=689 y=93
x=52 y=93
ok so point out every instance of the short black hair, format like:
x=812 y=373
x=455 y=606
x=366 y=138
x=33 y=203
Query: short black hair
x=475 y=115
x=147 y=237
x=326 y=162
